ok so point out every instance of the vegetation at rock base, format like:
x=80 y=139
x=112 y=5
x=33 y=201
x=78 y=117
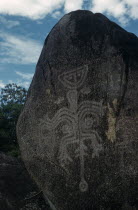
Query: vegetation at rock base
x=12 y=99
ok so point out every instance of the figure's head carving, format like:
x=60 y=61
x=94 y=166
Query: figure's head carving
x=75 y=78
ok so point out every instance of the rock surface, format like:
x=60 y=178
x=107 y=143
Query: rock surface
x=17 y=190
x=78 y=129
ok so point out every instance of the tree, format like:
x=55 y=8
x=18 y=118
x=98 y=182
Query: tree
x=12 y=99
x=13 y=94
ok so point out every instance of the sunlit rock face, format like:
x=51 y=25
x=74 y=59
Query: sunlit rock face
x=77 y=132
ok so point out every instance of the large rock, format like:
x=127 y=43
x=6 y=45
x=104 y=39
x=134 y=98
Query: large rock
x=17 y=190
x=77 y=132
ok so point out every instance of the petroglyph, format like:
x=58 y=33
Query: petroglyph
x=75 y=78
x=79 y=123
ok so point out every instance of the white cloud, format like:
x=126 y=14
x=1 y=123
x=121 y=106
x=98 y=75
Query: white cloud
x=39 y=22
x=132 y=8
x=19 y=50
x=25 y=79
x=71 y=5
x=25 y=84
x=21 y=83
x=56 y=14
x=2 y=85
x=115 y=7
x=27 y=76
x=32 y=9
x=123 y=10
x=9 y=23
x=37 y=9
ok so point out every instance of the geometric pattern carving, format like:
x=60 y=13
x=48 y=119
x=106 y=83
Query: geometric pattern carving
x=79 y=122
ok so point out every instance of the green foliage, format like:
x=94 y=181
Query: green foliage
x=12 y=100
x=13 y=94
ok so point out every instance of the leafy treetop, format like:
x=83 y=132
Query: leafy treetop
x=12 y=99
x=13 y=94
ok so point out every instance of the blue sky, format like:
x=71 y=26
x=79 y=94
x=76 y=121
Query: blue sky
x=24 y=25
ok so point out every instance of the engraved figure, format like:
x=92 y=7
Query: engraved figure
x=79 y=124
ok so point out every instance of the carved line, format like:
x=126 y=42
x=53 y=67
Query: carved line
x=72 y=85
x=73 y=116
